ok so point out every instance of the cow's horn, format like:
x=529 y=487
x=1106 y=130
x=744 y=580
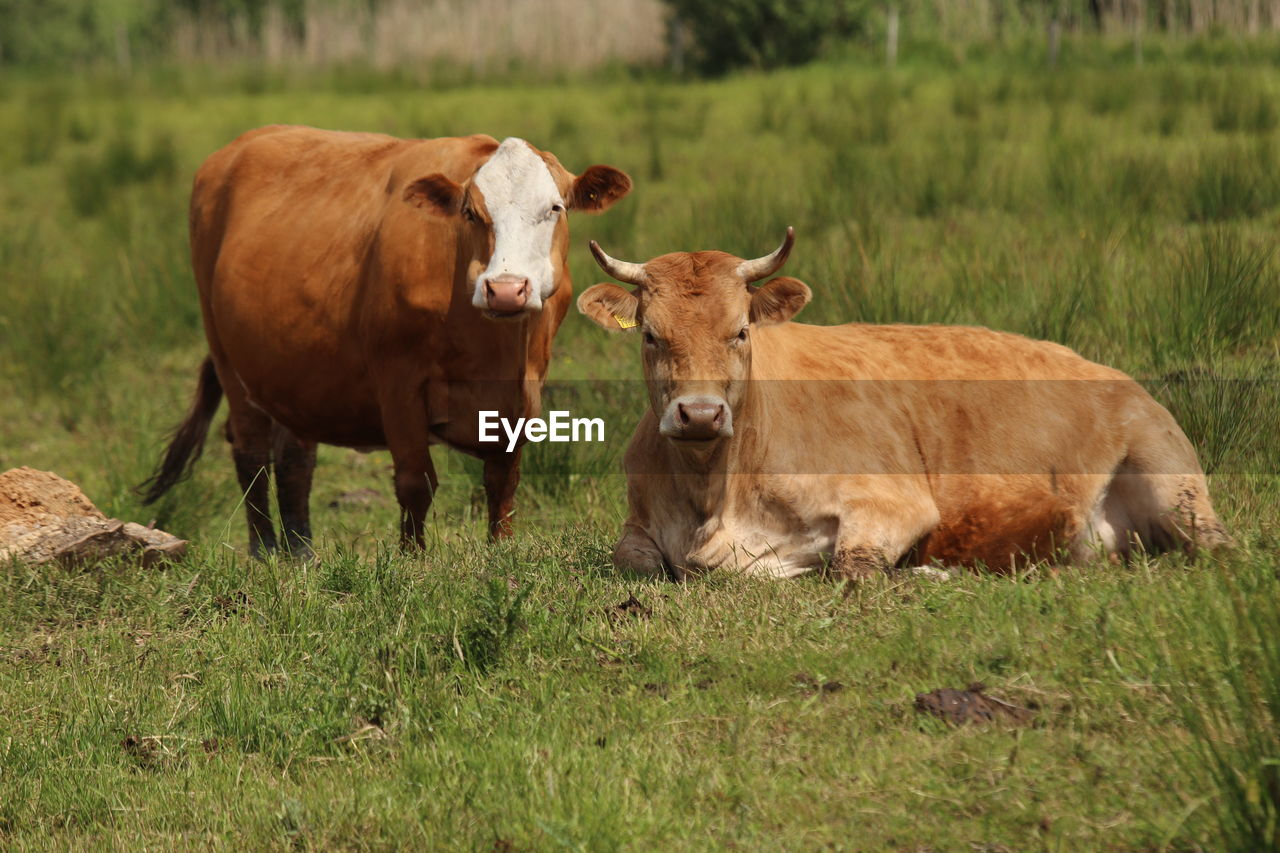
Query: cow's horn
x=759 y=268
x=623 y=271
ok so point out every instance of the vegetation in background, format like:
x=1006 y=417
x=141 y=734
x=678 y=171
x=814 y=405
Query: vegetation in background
x=730 y=34
x=415 y=37
x=484 y=697
x=431 y=39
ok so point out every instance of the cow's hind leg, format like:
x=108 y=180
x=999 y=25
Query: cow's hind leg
x=295 y=463
x=249 y=432
x=501 y=476
x=1158 y=512
x=1158 y=499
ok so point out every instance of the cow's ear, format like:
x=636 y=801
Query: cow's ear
x=610 y=307
x=778 y=301
x=598 y=188
x=435 y=193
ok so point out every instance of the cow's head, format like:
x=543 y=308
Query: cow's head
x=695 y=312
x=514 y=207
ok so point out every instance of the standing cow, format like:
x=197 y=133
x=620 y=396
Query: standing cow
x=776 y=448
x=374 y=292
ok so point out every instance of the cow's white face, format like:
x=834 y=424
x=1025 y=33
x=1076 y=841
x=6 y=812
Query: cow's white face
x=524 y=207
x=515 y=233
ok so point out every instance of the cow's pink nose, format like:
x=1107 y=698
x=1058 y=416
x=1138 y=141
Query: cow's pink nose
x=506 y=294
x=700 y=421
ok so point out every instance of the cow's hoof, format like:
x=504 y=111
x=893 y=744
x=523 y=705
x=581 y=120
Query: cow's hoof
x=857 y=564
x=642 y=572
x=933 y=573
x=302 y=552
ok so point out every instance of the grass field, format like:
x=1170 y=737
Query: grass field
x=494 y=697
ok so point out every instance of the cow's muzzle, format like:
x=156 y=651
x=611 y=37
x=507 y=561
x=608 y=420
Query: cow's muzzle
x=507 y=295
x=697 y=418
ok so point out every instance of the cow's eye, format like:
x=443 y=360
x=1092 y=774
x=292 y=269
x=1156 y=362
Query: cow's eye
x=469 y=215
x=649 y=339
x=557 y=208
x=741 y=336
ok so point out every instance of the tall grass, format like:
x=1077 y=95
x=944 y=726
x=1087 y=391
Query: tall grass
x=91 y=178
x=1227 y=696
x=1234 y=181
x=1221 y=295
x=1242 y=103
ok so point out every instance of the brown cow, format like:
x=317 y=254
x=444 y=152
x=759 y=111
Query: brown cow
x=777 y=448
x=371 y=292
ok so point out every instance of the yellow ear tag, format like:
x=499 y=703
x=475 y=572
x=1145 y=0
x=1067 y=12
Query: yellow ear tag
x=624 y=322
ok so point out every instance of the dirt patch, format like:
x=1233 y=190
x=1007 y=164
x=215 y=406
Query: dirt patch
x=145 y=751
x=971 y=705
x=358 y=497
x=44 y=518
x=632 y=608
x=811 y=686
x=49 y=652
x=365 y=729
x=232 y=603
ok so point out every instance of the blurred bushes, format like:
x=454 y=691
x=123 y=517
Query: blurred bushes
x=1236 y=181
x=54 y=32
x=90 y=178
x=731 y=34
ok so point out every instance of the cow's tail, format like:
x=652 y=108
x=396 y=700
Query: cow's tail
x=187 y=440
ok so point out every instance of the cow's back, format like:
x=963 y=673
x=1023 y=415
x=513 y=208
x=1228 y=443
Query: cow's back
x=969 y=393
x=906 y=352
x=304 y=203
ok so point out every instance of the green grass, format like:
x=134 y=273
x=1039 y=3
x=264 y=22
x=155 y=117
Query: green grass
x=467 y=698
x=483 y=697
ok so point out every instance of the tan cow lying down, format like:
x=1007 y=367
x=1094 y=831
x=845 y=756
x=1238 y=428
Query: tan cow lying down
x=776 y=448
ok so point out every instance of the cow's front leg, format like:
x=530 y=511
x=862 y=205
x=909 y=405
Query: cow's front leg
x=856 y=560
x=501 y=476
x=416 y=481
x=405 y=426
x=637 y=554
x=875 y=532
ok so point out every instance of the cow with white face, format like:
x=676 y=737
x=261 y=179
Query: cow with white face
x=777 y=448
x=349 y=284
